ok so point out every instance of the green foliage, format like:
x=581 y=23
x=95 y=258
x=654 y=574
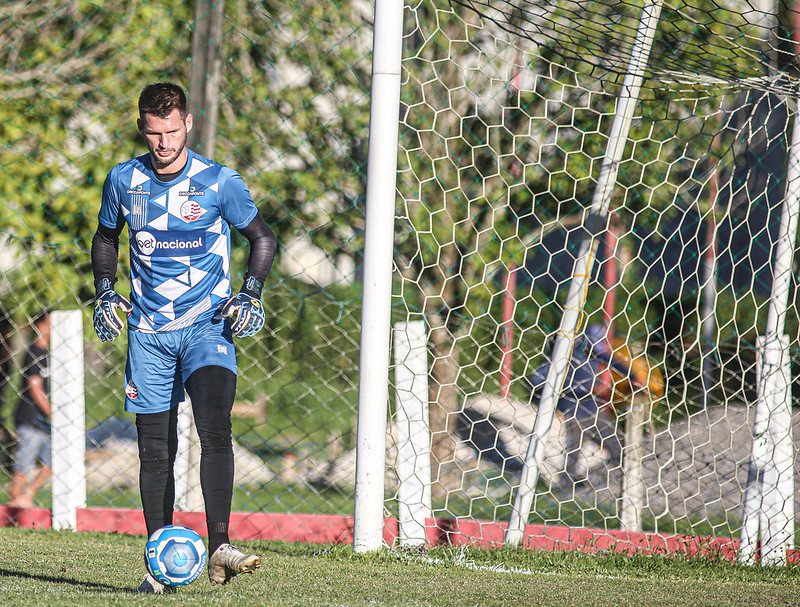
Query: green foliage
x=292 y=114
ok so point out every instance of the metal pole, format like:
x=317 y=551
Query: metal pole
x=205 y=74
x=770 y=485
x=373 y=383
x=203 y=103
x=576 y=297
x=507 y=345
x=709 y=304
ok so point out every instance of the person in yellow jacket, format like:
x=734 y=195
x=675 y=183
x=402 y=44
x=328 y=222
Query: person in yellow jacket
x=604 y=375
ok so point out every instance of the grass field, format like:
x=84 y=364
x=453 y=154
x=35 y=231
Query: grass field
x=61 y=568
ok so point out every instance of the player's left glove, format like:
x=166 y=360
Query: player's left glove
x=245 y=309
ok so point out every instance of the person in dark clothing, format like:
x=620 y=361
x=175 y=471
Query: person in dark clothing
x=582 y=405
x=32 y=420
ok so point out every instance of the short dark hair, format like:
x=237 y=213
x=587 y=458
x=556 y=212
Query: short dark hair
x=161 y=98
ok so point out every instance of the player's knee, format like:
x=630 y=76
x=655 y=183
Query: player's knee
x=215 y=439
x=154 y=457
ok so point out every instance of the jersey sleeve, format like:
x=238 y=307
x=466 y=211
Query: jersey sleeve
x=236 y=204
x=110 y=207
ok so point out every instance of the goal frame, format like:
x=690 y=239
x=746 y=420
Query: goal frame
x=770 y=487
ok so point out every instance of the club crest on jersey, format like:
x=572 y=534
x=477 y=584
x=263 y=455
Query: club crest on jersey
x=191 y=210
x=131 y=390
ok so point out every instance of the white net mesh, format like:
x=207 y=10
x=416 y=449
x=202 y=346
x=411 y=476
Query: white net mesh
x=508 y=108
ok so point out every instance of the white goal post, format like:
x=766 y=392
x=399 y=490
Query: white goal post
x=373 y=386
x=576 y=298
x=768 y=512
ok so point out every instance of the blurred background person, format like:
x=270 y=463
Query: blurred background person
x=583 y=406
x=8 y=439
x=31 y=468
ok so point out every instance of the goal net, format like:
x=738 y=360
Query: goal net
x=607 y=300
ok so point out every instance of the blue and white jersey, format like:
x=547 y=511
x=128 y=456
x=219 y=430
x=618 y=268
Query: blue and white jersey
x=180 y=242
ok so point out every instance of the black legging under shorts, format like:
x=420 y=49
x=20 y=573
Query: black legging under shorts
x=211 y=390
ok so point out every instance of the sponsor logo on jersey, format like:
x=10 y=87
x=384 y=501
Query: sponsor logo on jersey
x=192 y=191
x=191 y=210
x=139 y=189
x=170 y=244
x=131 y=390
x=221 y=349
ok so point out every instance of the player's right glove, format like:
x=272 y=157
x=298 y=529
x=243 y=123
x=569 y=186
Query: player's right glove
x=245 y=309
x=107 y=324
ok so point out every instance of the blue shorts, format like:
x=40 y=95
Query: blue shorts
x=33 y=448
x=160 y=363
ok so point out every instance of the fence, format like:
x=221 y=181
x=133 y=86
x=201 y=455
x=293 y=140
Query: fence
x=292 y=118
x=507 y=114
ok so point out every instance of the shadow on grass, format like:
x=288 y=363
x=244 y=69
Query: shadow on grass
x=60 y=580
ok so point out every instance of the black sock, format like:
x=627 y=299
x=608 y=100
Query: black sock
x=217 y=535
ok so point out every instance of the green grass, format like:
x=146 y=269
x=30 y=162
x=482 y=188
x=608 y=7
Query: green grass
x=62 y=568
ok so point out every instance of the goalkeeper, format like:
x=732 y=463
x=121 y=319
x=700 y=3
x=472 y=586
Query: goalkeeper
x=178 y=207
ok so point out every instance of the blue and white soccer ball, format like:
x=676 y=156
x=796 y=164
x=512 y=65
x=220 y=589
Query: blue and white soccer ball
x=175 y=555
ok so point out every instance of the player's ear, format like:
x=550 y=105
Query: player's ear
x=189 y=122
x=140 y=126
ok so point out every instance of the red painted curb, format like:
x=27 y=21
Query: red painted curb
x=338 y=529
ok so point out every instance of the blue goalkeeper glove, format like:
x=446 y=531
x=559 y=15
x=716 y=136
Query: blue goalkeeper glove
x=107 y=324
x=245 y=309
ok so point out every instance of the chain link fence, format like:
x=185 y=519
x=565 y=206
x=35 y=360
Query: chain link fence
x=293 y=115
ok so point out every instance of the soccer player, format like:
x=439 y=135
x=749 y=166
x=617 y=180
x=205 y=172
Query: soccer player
x=182 y=316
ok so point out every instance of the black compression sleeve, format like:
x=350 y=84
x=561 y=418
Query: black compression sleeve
x=105 y=252
x=263 y=246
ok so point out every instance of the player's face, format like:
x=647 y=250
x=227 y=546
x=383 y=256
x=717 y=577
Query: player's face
x=43 y=328
x=166 y=140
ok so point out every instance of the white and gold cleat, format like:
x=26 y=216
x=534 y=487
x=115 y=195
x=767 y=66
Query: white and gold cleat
x=228 y=561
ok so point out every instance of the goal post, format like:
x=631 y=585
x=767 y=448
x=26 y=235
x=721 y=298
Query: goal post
x=768 y=509
x=373 y=392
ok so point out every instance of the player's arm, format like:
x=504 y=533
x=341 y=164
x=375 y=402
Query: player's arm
x=263 y=246
x=38 y=393
x=245 y=307
x=105 y=252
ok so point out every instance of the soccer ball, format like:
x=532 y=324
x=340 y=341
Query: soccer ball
x=175 y=555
